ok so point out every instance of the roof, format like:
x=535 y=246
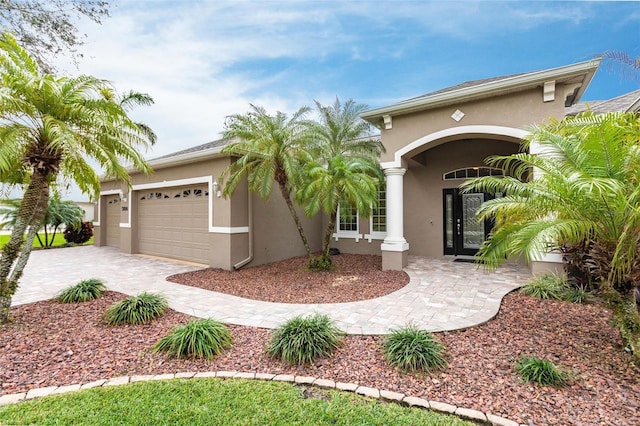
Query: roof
x=579 y=74
x=209 y=149
x=623 y=103
x=205 y=146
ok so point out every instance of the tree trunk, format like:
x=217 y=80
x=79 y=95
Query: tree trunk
x=626 y=317
x=16 y=273
x=32 y=210
x=323 y=263
x=296 y=219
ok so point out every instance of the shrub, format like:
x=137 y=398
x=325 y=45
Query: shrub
x=542 y=371
x=576 y=294
x=79 y=235
x=303 y=340
x=410 y=348
x=139 y=309
x=204 y=338
x=320 y=263
x=545 y=286
x=83 y=291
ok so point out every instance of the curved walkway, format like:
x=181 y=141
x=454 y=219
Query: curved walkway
x=442 y=295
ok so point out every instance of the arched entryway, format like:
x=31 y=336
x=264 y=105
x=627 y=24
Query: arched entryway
x=434 y=166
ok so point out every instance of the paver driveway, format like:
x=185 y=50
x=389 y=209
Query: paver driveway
x=442 y=295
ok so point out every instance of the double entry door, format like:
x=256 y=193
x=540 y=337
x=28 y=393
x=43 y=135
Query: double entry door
x=463 y=232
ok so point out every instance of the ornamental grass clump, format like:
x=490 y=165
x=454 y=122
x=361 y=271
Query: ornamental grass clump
x=542 y=371
x=412 y=349
x=139 y=309
x=546 y=286
x=303 y=340
x=83 y=291
x=204 y=338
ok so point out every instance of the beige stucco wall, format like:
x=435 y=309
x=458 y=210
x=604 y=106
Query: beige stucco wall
x=275 y=234
x=517 y=110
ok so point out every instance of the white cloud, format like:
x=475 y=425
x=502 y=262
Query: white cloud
x=204 y=60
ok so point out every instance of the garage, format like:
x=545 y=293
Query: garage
x=113 y=204
x=174 y=223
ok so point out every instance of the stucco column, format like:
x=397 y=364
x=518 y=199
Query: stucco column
x=395 y=248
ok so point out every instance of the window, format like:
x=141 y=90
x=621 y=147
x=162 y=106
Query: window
x=348 y=219
x=378 y=220
x=473 y=172
x=347 y=223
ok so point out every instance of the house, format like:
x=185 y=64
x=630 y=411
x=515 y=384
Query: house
x=433 y=143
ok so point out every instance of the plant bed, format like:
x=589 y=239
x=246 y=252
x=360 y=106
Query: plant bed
x=56 y=344
x=354 y=277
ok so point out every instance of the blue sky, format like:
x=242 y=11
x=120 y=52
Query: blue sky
x=204 y=60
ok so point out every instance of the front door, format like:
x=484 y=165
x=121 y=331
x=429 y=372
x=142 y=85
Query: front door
x=463 y=232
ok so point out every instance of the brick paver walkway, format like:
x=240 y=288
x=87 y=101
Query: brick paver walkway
x=442 y=295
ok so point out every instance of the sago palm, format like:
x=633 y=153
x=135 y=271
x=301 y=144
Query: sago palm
x=581 y=184
x=51 y=127
x=270 y=148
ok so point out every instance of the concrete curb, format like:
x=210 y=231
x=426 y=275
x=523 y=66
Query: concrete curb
x=366 y=391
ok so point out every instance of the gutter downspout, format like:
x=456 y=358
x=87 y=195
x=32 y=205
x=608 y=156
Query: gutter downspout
x=250 y=235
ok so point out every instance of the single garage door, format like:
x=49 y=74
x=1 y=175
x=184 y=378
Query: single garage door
x=173 y=223
x=114 y=205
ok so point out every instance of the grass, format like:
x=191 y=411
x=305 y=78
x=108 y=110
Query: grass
x=412 y=349
x=58 y=241
x=302 y=340
x=556 y=287
x=203 y=338
x=542 y=371
x=140 y=309
x=216 y=402
x=83 y=291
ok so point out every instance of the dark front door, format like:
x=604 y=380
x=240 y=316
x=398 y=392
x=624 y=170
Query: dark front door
x=463 y=232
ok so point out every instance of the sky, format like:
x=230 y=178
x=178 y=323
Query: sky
x=202 y=61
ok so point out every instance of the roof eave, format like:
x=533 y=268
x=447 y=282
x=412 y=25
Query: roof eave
x=489 y=89
x=176 y=160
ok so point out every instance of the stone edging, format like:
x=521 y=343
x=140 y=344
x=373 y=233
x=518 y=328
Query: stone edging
x=323 y=383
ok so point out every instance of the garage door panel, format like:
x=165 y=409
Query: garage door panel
x=172 y=225
x=113 y=208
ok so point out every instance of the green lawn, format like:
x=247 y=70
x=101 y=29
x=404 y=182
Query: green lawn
x=58 y=241
x=215 y=402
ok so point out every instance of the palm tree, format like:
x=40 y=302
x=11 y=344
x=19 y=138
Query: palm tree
x=51 y=127
x=585 y=188
x=58 y=213
x=270 y=148
x=344 y=171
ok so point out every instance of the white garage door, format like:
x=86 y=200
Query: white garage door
x=173 y=222
x=114 y=206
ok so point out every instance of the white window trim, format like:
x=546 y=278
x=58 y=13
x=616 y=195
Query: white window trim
x=375 y=235
x=110 y=192
x=355 y=235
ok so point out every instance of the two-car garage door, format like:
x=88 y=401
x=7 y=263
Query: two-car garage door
x=174 y=223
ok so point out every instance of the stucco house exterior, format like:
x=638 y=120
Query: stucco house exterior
x=433 y=143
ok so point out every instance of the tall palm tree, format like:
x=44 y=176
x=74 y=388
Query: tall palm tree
x=51 y=127
x=585 y=188
x=270 y=148
x=345 y=169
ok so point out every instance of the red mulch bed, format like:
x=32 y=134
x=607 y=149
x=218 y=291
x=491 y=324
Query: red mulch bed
x=354 y=277
x=56 y=344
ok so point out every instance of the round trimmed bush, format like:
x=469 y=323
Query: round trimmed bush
x=83 y=291
x=303 y=340
x=542 y=371
x=411 y=349
x=139 y=309
x=203 y=338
